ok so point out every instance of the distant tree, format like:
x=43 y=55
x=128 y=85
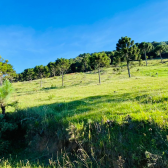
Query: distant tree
x=116 y=59
x=10 y=73
x=86 y=62
x=111 y=55
x=5 y=91
x=159 y=49
x=39 y=70
x=20 y=77
x=71 y=61
x=154 y=43
x=63 y=65
x=99 y=60
x=52 y=67
x=46 y=72
x=28 y=74
x=6 y=70
x=128 y=50
x=145 y=47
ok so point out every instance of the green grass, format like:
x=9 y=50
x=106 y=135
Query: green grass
x=83 y=107
x=144 y=95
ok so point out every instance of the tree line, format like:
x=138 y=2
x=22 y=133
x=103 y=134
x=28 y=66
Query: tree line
x=126 y=51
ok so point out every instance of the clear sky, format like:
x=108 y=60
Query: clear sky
x=35 y=32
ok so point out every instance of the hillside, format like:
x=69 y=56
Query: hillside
x=86 y=61
x=123 y=121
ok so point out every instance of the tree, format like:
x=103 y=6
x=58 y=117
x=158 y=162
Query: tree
x=39 y=70
x=128 y=50
x=111 y=55
x=5 y=91
x=99 y=60
x=159 y=49
x=6 y=69
x=46 y=72
x=52 y=68
x=20 y=77
x=116 y=59
x=28 y=74
x=63 y=65
x=145 y=47
x=85 y=62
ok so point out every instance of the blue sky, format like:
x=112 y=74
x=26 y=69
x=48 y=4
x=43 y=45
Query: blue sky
x=37 y=32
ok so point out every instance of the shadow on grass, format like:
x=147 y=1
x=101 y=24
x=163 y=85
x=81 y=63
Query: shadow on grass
x=51 y=128
x=52 y=87
x=83 y=109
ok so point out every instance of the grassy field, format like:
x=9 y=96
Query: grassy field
x=142 y=96
x=83 y=104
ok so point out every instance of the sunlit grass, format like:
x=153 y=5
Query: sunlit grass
x=142 y=96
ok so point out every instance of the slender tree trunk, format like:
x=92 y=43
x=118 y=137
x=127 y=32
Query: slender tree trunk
x=85 y=68
x=41 y=82
x=3 y=109
x=53 y=72
x=139 y=62
x=128 y=69
x=99 y=75
x=62 y=79
x=1 y=82
x=146 y=59
x=161 y=57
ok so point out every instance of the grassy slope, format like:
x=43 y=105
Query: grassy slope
x=142 y=96
x=83 y=101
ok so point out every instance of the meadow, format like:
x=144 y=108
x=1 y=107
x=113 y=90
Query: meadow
x=145 y=93
x=122 y=122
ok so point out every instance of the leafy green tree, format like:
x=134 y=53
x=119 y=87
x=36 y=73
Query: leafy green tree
x=28 y=74
x=46 y=72
x=86 y=62
x=5 y=91
x=52 y=68
x=145 y=47
x=159 y=49
x=39 y=70
x=116 y=59
x=111 y=55
x=20 y=77
x=63 y=65
x=10 y=73
x=6 y=70
x=128 y=50
x=99 y=60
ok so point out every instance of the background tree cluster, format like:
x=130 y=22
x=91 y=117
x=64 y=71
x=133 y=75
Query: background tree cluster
x=126 y=51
